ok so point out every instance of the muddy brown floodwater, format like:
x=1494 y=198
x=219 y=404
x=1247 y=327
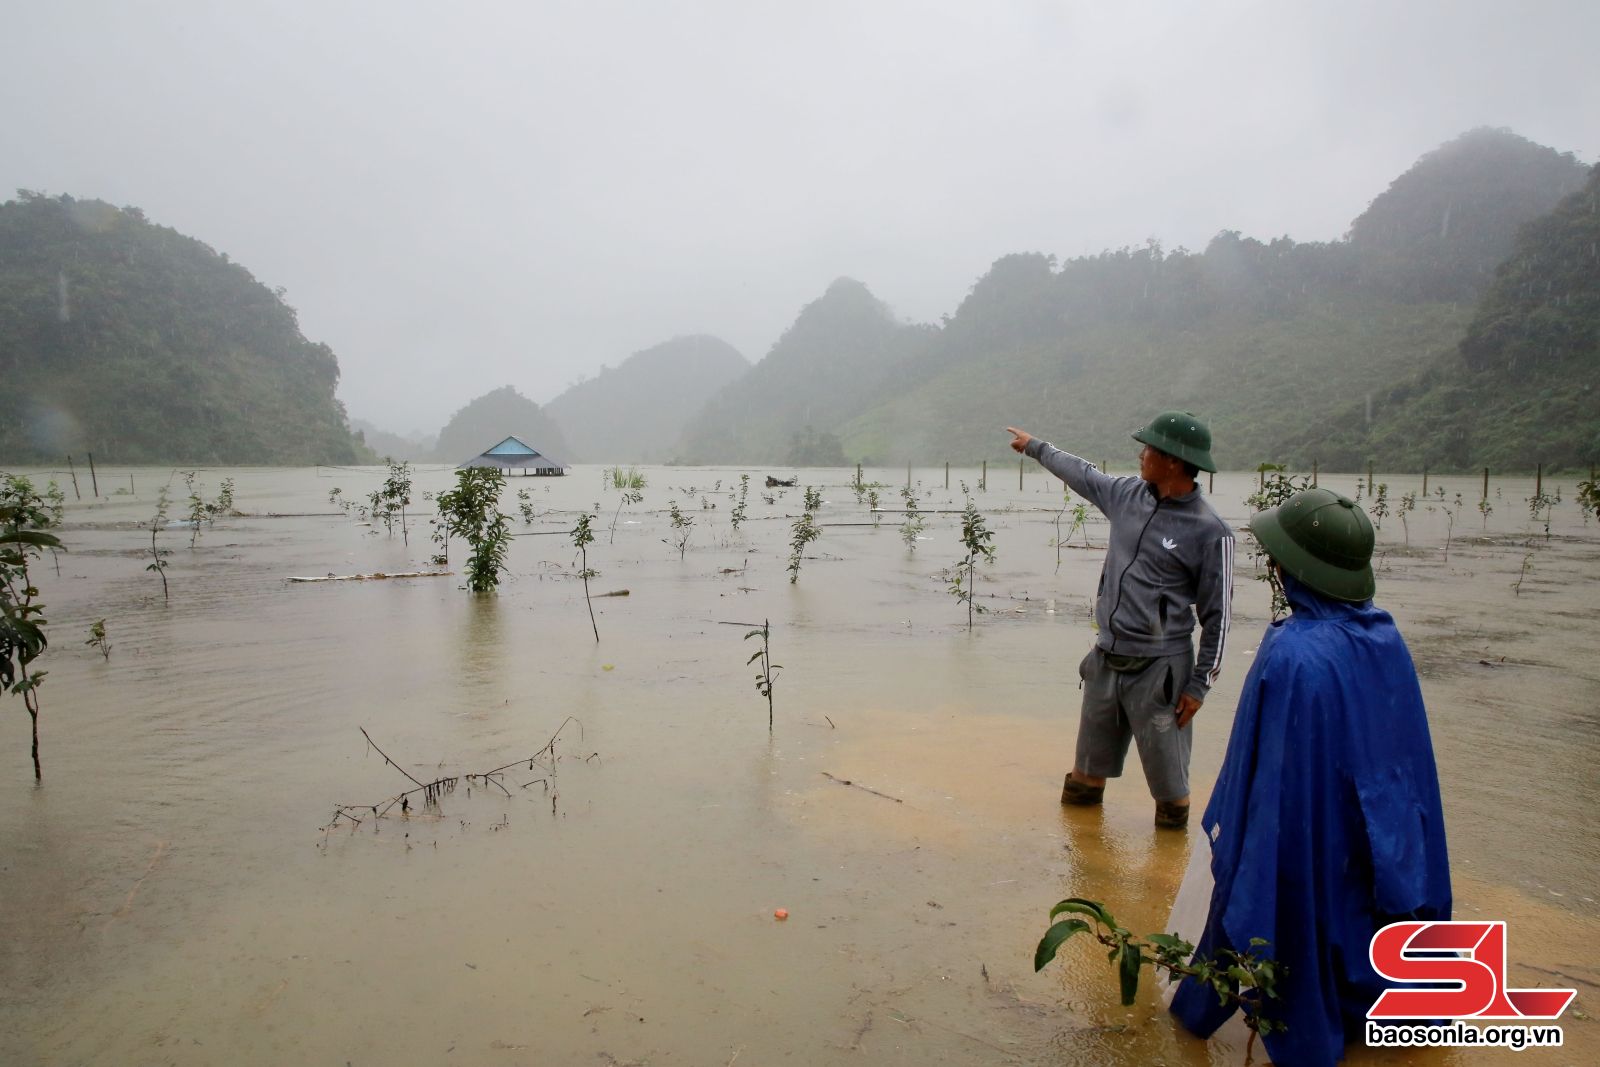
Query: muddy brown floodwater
x=170 y=895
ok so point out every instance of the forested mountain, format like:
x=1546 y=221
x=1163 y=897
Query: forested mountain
x=636 y=412
x=490 y=419
x=1443 y=226
x=833 y=361
x=1264 y=338
x=142 y=345
x=1521 y=387
x=1252 y=335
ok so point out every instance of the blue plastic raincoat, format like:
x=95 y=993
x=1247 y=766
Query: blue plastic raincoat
x=1325 y=823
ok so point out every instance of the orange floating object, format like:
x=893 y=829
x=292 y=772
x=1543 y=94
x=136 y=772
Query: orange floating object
x=780 y=914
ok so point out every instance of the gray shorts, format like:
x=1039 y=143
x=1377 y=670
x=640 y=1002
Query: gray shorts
x=1118 y=708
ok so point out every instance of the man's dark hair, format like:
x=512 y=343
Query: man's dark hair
x=1190 y=470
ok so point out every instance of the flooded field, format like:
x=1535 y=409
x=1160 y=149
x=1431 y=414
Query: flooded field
x=171 y=895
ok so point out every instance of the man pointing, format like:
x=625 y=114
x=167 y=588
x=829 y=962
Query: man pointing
x=1169 y=564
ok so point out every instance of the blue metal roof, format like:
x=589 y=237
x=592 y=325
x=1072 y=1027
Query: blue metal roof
x=511 y=446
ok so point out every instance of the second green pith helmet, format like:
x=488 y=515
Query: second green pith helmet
x=1323 y=539
x=1178 y=433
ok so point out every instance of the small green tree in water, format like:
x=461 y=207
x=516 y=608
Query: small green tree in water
x=911 y=528
x=1588 y=499
x=1408 y=504
x=157 y=521
x=471 y=512
x=1080 y=516
x=805 y=531
x=582 y=538
x=632 y=484
x=1542 y=502
x=24 y=518
x=1380 y=506
x=1276 y=486
x=765 y=676
x=682 y=530
x=1247 y=979
x=395 y=497
x=738 y=509
x=975 y=535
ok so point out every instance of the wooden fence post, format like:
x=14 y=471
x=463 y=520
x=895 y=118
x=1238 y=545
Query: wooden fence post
x=74 y=472
x=93 y=481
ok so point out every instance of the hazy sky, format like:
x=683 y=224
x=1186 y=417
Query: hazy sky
x=463 y=196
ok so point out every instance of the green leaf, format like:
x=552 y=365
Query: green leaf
x=1092 y=908
x=753 y=657
x=1171 y=942
x=1129 y=973
x=30 y=537
x=1053 y=939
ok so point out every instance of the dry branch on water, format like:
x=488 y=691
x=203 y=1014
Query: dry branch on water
x=858 y=785
x=435 y=790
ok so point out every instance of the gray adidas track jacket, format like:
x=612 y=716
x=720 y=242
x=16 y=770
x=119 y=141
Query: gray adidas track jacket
x=1167 y=559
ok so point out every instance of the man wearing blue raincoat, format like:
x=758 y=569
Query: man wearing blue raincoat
x=1325 y=824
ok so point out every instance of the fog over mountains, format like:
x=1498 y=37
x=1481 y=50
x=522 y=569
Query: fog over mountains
x=1471 y=276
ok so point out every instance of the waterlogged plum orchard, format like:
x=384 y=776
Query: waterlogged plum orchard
x=610 y=895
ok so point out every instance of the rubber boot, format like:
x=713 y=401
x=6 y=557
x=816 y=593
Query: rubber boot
x=1081 y=793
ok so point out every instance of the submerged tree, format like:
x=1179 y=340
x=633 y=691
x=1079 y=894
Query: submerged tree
x=582 y=538
x=24 y=519
x=765 y=676
x=911 y=529
x=682 y=530
x=395 y=497
x=157 y=521
x=471 y=511
x=1276 y=486
x=805 y=531
x=975 y=537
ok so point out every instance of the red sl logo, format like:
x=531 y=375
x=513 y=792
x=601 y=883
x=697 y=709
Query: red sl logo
x=1471 y=957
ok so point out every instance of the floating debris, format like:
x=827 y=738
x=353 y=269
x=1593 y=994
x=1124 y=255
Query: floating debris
x=377 y=576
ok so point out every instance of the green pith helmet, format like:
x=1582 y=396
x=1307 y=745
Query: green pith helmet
x=1323 y=539
x=1178 y=433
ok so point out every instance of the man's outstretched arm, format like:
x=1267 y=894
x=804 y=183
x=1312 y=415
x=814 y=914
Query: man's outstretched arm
x=1081 y=476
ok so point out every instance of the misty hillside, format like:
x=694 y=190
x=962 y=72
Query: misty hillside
x=1255 y=335
x=490 y=419
x=412 y=448
x=142 y=345
x=1521 y=386
x=635 y=412
x=836 y=359
x=1442 y=227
